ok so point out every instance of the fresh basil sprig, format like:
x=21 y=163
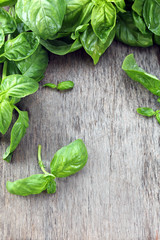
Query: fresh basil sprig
x=149 y=112
x=67 y=161
x=66 y=85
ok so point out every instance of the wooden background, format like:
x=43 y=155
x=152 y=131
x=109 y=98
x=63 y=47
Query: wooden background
x=117 y=195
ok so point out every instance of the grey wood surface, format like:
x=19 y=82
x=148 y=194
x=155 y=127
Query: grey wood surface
x=117 y=195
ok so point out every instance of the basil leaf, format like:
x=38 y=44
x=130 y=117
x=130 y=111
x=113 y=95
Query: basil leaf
x=149 y=81
x=17 y=133
x=61 y=47
x=138 y=6
x=34 y=66
x=50 y=85
x=7 y=23
x=128 y=33
x=2 y=37
x=145 y=111
x=51 y=187
x=18 y=86
x=34 y=184
x=158 y=117
x=140 y=24
x=151 y=12
x=21 y=47
x=77 y=13
x=69 y=159
x=79 y=30
x=93 y=45
x=12 y=68
x=157 y=39
x=5 y=116
x=120 y=5
x=65 y=85
x=44 y=18
x=103 y=20
x=4 y=3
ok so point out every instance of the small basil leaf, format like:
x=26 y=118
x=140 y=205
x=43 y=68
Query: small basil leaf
x=50 y=85
x=158 y=117
x=21 y=47
x=44 y=18
x=149 y=81
x=65 y=85
x=51 y=187
x=17 y=133
x=34 y=66
x=79 y=30
x=7 y=23
x=69 y=159
x=34 y=184
x=18 y=86
x=5 y=116
x=145 y=111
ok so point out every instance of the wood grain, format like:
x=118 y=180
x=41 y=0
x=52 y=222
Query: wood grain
x=117 y=195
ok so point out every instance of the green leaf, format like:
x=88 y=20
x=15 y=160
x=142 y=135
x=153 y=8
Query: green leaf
x=21 y=47
x=151 y=13
x=77 y=13
x=65 y=85
x=138 y=6
x=149 y=81
x=4 y=3
x=103 y=20
x=61 y=47
x=18 y=86
x=140 y=24
x=51 y=187
x=145 y=111
x=158 y=117
x=34 y=184
x=69 y=159
x=2 y=37
x=5 y=116
x=12 y=68
x=7 y=23
x=34 y=66
x=44 y=18
x=128 y=33
x=79 y=30
x=120 y=5
x=157 y=39
x=93 y=45
x=50 y=85
x=17 y=133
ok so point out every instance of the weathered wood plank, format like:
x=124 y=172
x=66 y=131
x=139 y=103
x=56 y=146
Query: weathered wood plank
x=117 y=195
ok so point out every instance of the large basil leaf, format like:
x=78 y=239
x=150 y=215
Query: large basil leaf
x=5 y=116
x=4 y=3
x=128 y=33
x=61 y=46
x=103 y=20
x=34 y=184
x=21 y=47
x=138 y=6
x=149 y=81
x=34 y=66
x=69 y=159
x=44 y=18
x=18 y=86
x=17 y=133
x=2 y=37
x=151 y=13
x=93 y=45
x=7 y=23
x=77 y=13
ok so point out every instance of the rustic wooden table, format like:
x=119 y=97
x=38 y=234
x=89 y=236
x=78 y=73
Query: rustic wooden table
x=117 y=195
